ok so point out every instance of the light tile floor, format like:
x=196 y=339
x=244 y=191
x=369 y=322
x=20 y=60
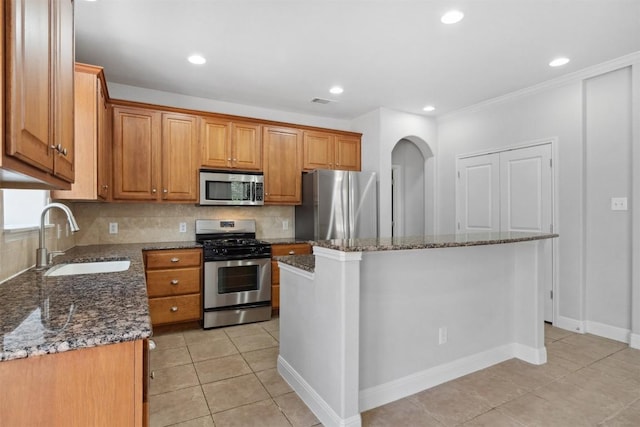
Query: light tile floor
x=228 y=377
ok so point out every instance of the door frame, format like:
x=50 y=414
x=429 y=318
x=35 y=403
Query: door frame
x=397 y=205
x=555 y=277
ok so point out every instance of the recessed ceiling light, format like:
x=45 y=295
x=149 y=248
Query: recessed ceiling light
x=336 y=90
x=452 y=17
x=558 y=62
x=429 y=108
x=197 y=59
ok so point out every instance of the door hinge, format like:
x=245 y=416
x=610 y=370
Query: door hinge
x=458 y=174
x=551 y=294
x=458 y=225
x=550 y=163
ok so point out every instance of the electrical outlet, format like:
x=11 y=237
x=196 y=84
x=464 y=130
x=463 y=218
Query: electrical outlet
x=183 y=227
x=285 y=224
x=618 y=203
x=113 y=228
x=442 y=336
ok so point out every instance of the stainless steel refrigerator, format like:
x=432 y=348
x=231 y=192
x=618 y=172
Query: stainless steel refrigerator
x=337 y=205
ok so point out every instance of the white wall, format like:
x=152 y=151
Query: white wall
x=592 y=154
x=608 y=174
x=387 y=127
x=132 y=93
x=407 y=155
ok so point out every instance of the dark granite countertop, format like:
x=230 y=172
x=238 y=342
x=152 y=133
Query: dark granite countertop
x=42 y=315
x=285 y=241
x=303 y=262
x=430 y=242
x=307 y=262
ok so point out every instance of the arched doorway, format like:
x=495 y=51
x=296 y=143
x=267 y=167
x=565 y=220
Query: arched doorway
x=408 y=181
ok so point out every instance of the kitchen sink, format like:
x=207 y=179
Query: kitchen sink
x=88 y=268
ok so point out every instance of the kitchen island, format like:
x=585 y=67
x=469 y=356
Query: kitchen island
x=369 y=321
x=72 y=347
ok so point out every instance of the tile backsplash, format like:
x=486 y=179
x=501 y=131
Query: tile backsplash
x=148 y=222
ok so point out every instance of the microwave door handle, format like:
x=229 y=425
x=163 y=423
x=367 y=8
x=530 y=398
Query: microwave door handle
x=252 y=196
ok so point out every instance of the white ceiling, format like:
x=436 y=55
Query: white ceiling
x=280 y=54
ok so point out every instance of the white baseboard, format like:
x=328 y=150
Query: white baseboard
x=385 y=393
x=608 y=331
x=313 y=400
x=570 y=324
x=634 y=341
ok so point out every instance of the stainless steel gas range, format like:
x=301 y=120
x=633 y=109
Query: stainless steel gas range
x=237 y=272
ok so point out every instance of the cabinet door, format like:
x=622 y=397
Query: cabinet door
x=215 y=139
x=282 y=148
x=318 y=151
x=347 y=153
x=105 y=150
x=246 y=146
x=179 y=157
x=136 y=153
x=29 y=79
x=63 y=72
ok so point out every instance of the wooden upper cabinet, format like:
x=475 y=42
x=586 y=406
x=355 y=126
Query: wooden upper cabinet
x=230 y=145
x=155 y=155
x=347 y=153
x=39 y=84
x=136 y=153
x=282 y=155
x=92 y=137
x=180 y=157
x=324 y=150
x=63 y=94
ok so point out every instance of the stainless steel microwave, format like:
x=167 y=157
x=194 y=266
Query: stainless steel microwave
x=231 y=188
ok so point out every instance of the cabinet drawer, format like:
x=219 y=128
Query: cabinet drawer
x=292 y=249
x=174 y=309
x=161 y=283
x=177 y=258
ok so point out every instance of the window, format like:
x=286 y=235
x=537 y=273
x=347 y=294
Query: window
x=22 y=208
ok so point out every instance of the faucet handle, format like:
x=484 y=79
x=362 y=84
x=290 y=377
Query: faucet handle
x=54 y=254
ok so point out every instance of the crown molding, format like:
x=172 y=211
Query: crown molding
x=595 y=70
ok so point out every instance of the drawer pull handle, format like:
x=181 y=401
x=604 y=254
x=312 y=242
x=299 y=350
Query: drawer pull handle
x=175 y=259
x=175 y=281
x=174 y=308
x=292 y=252
x=152 y=375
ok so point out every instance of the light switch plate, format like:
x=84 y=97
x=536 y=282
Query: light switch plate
x=113 y=228
x=183 y=227
x=618 y=203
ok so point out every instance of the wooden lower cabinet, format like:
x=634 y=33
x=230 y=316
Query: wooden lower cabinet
x=98 y=386
x=174 y=285
x=282 y=250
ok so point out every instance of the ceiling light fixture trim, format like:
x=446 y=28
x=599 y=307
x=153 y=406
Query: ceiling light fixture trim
x=197 y=59
x=336 y=90
x=452 y=17
x=429 y=108
x=559 y=62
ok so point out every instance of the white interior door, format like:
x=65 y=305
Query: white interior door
x=478 y=194
x=509 y=191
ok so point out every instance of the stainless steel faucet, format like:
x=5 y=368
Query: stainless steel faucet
x=41 y=253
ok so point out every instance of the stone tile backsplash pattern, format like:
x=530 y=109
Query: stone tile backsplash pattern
x=148 y=222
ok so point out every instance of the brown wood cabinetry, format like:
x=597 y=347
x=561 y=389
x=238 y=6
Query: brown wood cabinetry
x=282 y=154
x=155 y=155
x=174 y=285
x=282 y=250
x=98 y=386
x=39 y=60
x=230 y=145
x=323 y=150
x=92 y=137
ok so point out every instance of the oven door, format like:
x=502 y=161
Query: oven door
x=229 y=283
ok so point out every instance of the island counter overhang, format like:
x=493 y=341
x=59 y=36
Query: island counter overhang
x=361 y=322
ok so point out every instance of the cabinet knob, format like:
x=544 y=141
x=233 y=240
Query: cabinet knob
x=235 y=160
x=105 y=187
x=175 y=259
x=152 y=375
x=292 y=252
x=174 y=309
x=175 y=281
x=153 y=190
